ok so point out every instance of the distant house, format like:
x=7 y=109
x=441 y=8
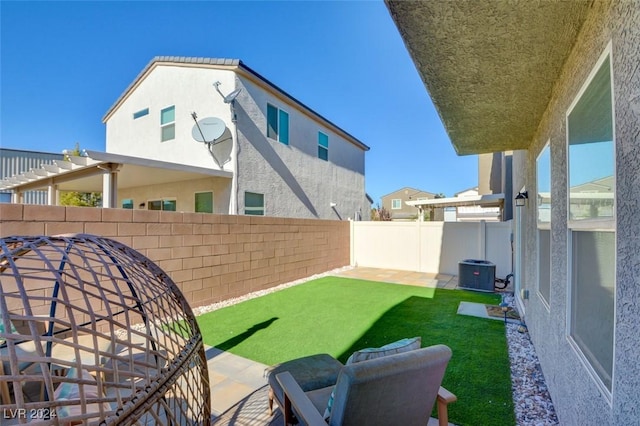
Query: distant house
x=558 y=84
x=471 y=212
x=395 y=202
x=255 y=150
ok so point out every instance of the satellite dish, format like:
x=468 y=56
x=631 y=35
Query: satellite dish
x=232 y=96
x=221 y=150
x=208 y=129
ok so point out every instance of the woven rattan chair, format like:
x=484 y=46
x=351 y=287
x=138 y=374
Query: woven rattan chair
x=93 y=331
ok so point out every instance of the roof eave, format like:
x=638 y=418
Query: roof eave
x=489 y=67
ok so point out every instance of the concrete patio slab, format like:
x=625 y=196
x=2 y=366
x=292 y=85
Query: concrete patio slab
x=422 y=279
x=479 y=310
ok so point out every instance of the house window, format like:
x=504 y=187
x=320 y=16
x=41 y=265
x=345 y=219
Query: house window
x=277 y=124
x=127 y=203
x=323 y=146
x=543 y=175
x=253 y=204
x=591 y=221
x=140 y=113
x=168 y=123
x=204 y=202
x=396 y=204
x=165 y=204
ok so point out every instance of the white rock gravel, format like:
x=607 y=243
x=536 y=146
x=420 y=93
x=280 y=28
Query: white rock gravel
x=214 y=307
x=533 y=405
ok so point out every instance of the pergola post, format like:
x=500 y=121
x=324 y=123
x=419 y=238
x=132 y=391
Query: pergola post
x=110 y=187
x=52 y=193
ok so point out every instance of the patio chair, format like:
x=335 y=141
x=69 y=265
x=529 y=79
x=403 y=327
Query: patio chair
x=395 y=389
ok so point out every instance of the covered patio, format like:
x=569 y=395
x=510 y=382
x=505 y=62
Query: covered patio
x=118 y=177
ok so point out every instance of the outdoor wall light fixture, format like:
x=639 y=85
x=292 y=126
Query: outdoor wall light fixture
x=521 y=198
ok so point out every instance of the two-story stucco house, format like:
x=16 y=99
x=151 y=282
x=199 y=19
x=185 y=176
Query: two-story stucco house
x=559 y=84
x=395 y=202
x=280 y=157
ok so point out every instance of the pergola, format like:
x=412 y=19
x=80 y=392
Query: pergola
x=102 y=172
x=490 y=200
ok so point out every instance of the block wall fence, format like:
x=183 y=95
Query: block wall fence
x=210 y=257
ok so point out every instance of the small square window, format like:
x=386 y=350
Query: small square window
x=204 y=202
x=127 y=203
x=396 y=203
x=253 y=204
x=154 y=205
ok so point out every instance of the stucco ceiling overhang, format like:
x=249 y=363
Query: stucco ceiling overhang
x=489 y=66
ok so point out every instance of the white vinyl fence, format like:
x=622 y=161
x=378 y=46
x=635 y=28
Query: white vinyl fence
x=435 y=247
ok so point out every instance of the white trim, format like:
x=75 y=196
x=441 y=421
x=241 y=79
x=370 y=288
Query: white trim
x=400 y=204
x=543 y=226
x=592 y=225
x=519 y=264
x=546 y=303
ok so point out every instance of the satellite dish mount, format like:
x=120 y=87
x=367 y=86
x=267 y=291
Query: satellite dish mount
x=211 y=130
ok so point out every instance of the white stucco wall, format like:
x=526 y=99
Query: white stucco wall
x=189 y=89
x=295 y=182
x=183 y=192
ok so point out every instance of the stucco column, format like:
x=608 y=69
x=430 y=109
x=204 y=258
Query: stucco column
x=110 y=186
x=52 y=193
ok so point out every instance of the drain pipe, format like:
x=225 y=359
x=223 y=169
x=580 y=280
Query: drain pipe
x=234 y=153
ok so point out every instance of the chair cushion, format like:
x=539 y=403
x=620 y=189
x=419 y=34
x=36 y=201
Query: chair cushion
x=71 y=391
x=402 y=345
x=12 y=330
x=311 y=372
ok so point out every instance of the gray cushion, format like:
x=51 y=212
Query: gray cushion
x=402 y=345
x=311 y=372
x=396 y=389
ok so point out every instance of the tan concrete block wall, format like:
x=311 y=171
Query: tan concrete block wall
x=210 y=257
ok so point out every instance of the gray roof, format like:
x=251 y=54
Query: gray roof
x=223 y=62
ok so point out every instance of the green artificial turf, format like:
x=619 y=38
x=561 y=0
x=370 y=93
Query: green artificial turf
x=340 y=315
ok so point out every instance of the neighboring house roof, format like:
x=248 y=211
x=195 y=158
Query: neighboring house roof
x=490 y=67
x=234 y=65
x=28 y=152
x=407 y=188
x=473 y=188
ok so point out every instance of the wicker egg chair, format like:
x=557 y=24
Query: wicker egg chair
x=93 y=332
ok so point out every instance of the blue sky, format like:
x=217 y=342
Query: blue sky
x=63 y=64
